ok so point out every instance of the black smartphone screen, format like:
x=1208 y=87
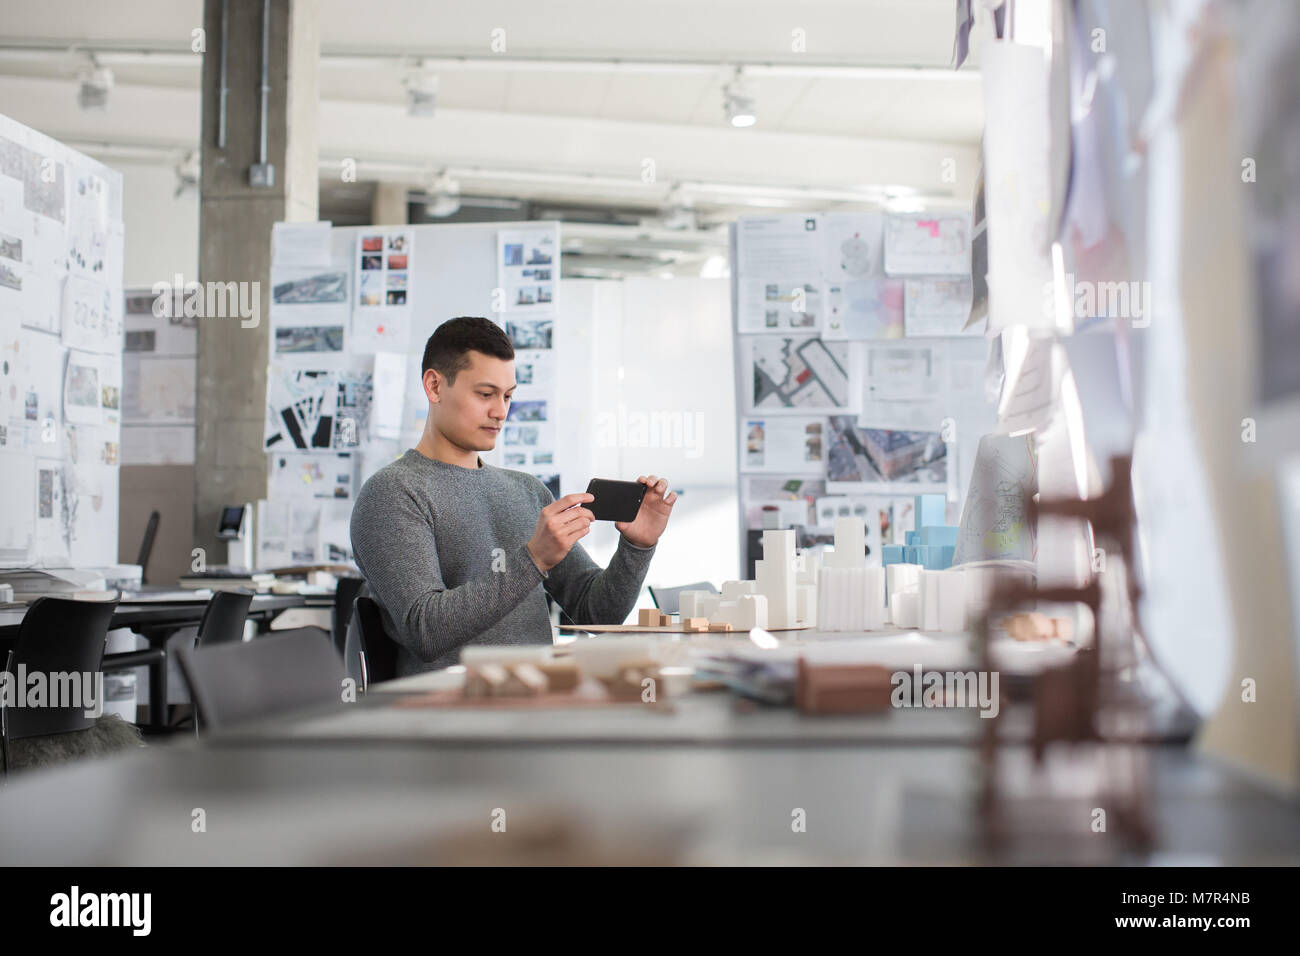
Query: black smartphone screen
x=615 y=500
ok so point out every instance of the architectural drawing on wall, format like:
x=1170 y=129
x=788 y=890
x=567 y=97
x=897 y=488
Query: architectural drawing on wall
x=993 y=521
x=854 y=246
x=927 y=243
x=158 y=375
x=878 y=459
x=300 y=405
x=865 y=309
x=799 y=375
x=783 y=444
x=937 y=306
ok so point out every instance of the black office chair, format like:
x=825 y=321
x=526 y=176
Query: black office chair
x=349 y=587
x=146 y=545
x=224 y=618
x=280 y=673
x=60 y=636
x=668 y=600
x=371 y=655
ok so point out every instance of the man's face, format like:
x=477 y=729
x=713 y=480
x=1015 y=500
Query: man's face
x=471 y=411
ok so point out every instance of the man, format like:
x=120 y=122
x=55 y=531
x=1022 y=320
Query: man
x=456 y=551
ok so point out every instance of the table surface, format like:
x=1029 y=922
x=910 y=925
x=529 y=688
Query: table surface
x=707 y=780
x=154 y=614
x=426 y=802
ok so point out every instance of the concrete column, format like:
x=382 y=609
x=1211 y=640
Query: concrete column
x=389 y=206
x=235 y=219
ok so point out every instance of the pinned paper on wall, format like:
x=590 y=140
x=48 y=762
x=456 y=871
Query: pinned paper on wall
x=389 y=395
x=303 y=245
x=90 y=320
x=779 y=304
x=88 y=224
x=791 y=244
x=296 y=475
x=801 y=375
x=783 y=444
x=81 y=396
x=854 y=246
x=528 y=270
x=300 y=406
x=869 y=460
x=930 y=243
x=381 y=319
x=288 y=533
x=937 y=306
x=866 y=309
x=993 y=523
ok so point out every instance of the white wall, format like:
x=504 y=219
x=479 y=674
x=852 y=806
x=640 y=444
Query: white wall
x=664 y=358
x=162 y=230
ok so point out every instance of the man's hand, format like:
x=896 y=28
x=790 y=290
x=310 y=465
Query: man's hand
x=558 y=526
x=651 y=520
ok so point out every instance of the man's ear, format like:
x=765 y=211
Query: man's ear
x=433 y=385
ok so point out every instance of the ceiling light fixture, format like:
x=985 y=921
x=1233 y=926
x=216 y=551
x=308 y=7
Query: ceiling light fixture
x=421 y=85
x=94 y=83
x=738 y=98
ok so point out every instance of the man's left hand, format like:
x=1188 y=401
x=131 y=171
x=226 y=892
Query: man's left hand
x=651 y=520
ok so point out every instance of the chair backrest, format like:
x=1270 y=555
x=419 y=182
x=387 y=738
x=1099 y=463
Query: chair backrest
x=279 y=673
x=346 y=593
x=668 y=599
x=224 y=617
x=146 y=545
x=370 y=655
x=59 y=636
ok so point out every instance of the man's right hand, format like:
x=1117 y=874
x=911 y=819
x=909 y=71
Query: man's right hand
x=558 y=526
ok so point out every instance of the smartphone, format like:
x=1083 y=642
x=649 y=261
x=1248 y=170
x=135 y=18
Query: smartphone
x=615 y=500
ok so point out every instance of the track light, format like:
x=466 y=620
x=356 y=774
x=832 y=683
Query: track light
x=421 y=85
x=442 y=196
x=94 y=81
x=738 y=98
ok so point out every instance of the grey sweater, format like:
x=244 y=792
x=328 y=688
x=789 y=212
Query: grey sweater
x=443 y=550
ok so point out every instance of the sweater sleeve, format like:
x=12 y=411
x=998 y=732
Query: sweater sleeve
x=393 y=540
x=590 y=595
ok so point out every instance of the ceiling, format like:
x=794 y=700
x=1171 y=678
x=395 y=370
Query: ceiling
x=565 y=117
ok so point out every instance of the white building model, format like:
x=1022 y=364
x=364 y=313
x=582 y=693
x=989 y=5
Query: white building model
x=839 y=593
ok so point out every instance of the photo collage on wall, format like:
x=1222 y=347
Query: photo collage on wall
x=854 y=361
x=528 y=273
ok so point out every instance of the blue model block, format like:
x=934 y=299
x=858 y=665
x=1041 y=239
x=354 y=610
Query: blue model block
x=930 y=510
x=914 y=538
x=891 y=554
x=948 y=551
x=939 y=534
x=910 y=554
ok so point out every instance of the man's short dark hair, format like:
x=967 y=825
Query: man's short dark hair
x=450 y=342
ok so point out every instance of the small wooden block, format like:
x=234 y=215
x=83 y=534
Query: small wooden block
x=561 y=676
x=648 y=617
x=696 y=623
x=488 y=680
x=720 y=626
x=665 y=620
x=528 y=678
